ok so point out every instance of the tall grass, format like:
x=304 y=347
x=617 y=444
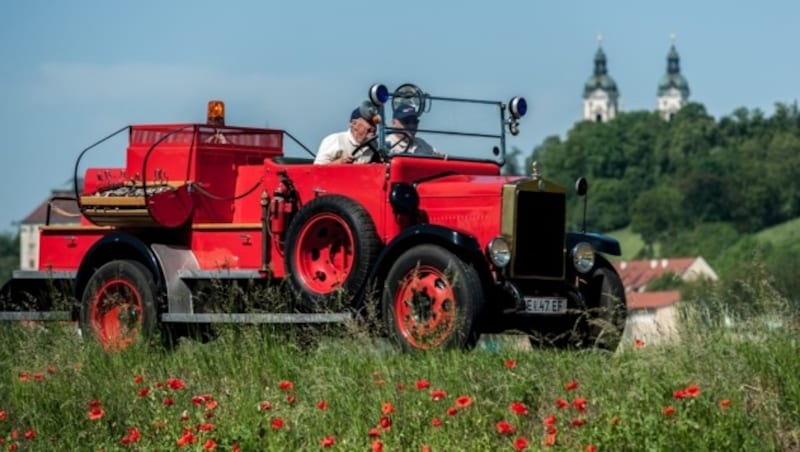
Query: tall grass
x=715 y=388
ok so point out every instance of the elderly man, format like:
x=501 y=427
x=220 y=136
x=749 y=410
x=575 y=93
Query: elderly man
x=338 y=147
x=405 y=119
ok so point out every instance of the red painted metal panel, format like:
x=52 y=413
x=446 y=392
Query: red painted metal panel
x=64 y=248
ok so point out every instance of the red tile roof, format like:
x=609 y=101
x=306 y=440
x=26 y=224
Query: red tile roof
x=636 y=275
x=62 y=212
x=651 y=300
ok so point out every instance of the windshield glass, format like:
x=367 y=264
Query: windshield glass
x=444 y=127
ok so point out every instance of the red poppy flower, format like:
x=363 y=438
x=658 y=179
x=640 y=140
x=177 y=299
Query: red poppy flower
x=374 y=432
x=186 y=439
x=175 y=383
x=521 y=443
x=550 y=439
x=551 y=430
x=615 y=420
x=328 y=441
x=93 y=404
x=725 y=403
x=387 y=408
x=235 y=448
x=132 y=436
x=679 y=394
x=377 y=446
x=168 y=401
x=30 y=434
x=185 y=415
x=197 y=400
x=51 y=369
x=138 y=379
x=452 y=411
x=436 y=422
x=504 y=428
x=277 y=423
x=561 y=403
x=379 y=382
x=38 y=376
x=95 y=414
x=638 y=343
x=386 y=422
x=24 y=376
x=577 y=422
x=207 y=427
x=286 y=385
x=692 y=390
x=322 y=405
x=550 y=420
x=425 y=448
x=518 y=408
x=463 y=401
x=211 y=405
x=580 y=404
x=264 y=406
x=591 y=448
x=668 y=411
x=210 y=444
x=208 y=415
x=571 y=385
x=400 y=386
x=423 y=384
x=291 y=398
x=3 y=415
x=143 y=392
x=158 y=384
x=438 y=394
x=510 y=363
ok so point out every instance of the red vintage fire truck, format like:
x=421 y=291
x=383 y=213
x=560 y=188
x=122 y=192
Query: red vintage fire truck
x=446 y=246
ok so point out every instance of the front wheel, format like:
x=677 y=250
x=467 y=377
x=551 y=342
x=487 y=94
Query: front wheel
x=118 y=305
x=607 y=309
x=432 y=299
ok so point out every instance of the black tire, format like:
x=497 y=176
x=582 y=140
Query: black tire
x=606 y=308
x=331 y=245
x=118 y=306
x=422 y=282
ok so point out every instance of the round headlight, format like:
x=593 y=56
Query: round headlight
x=378 y=94
x=499 y=252
x=518 y=106
x=583 y=257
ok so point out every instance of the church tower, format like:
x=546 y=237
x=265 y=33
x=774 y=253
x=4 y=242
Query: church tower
x=673 y=89
x=600 y=94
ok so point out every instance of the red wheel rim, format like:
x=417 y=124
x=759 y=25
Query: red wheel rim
x=324 y=253
x=425 y=307
x=116 y=314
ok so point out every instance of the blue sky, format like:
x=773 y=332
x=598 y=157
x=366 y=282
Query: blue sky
x=73 y=72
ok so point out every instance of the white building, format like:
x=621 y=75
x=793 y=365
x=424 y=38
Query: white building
x=600 y=93
x=673 y=89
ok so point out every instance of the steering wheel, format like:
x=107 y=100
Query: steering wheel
x=377 y=157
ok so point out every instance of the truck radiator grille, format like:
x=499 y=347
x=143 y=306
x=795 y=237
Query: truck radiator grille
x=539 y=234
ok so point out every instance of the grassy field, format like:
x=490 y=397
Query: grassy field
x=788 y=232
x=253 y=388
x=630 y=242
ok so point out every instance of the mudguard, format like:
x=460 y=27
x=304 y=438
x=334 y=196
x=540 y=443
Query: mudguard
x=601 y=242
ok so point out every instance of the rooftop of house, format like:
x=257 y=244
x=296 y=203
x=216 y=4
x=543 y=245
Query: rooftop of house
x=636 y=275
x=652 y=300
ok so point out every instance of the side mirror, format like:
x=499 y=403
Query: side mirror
x=581 y=186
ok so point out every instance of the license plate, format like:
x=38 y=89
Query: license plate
x=545 y=305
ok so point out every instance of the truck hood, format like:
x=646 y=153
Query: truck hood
x=463 y=186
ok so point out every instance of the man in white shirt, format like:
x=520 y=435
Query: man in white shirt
x=338 y=147
x=406 y=120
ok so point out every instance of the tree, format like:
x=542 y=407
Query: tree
x=9 y=255
x=657 y=214
x=511 y=166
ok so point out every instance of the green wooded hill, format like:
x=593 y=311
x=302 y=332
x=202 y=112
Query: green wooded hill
x=727 y=189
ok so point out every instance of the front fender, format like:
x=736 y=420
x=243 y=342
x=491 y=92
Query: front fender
x=601 y=242
x=460 y=243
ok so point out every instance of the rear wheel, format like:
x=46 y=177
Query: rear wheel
x=431 y=300
x=118 y=305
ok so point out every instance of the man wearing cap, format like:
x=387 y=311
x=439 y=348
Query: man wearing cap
x=338 y=147
x=405 y=120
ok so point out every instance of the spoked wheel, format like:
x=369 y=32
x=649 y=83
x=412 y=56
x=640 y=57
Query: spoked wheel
x=331 y=245
x=118 y=305
x=607 y=308
x=431 y=300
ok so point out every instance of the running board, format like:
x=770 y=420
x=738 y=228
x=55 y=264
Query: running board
x=18 y=316
x=256 y=318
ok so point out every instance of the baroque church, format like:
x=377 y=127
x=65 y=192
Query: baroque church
x=601 y=95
